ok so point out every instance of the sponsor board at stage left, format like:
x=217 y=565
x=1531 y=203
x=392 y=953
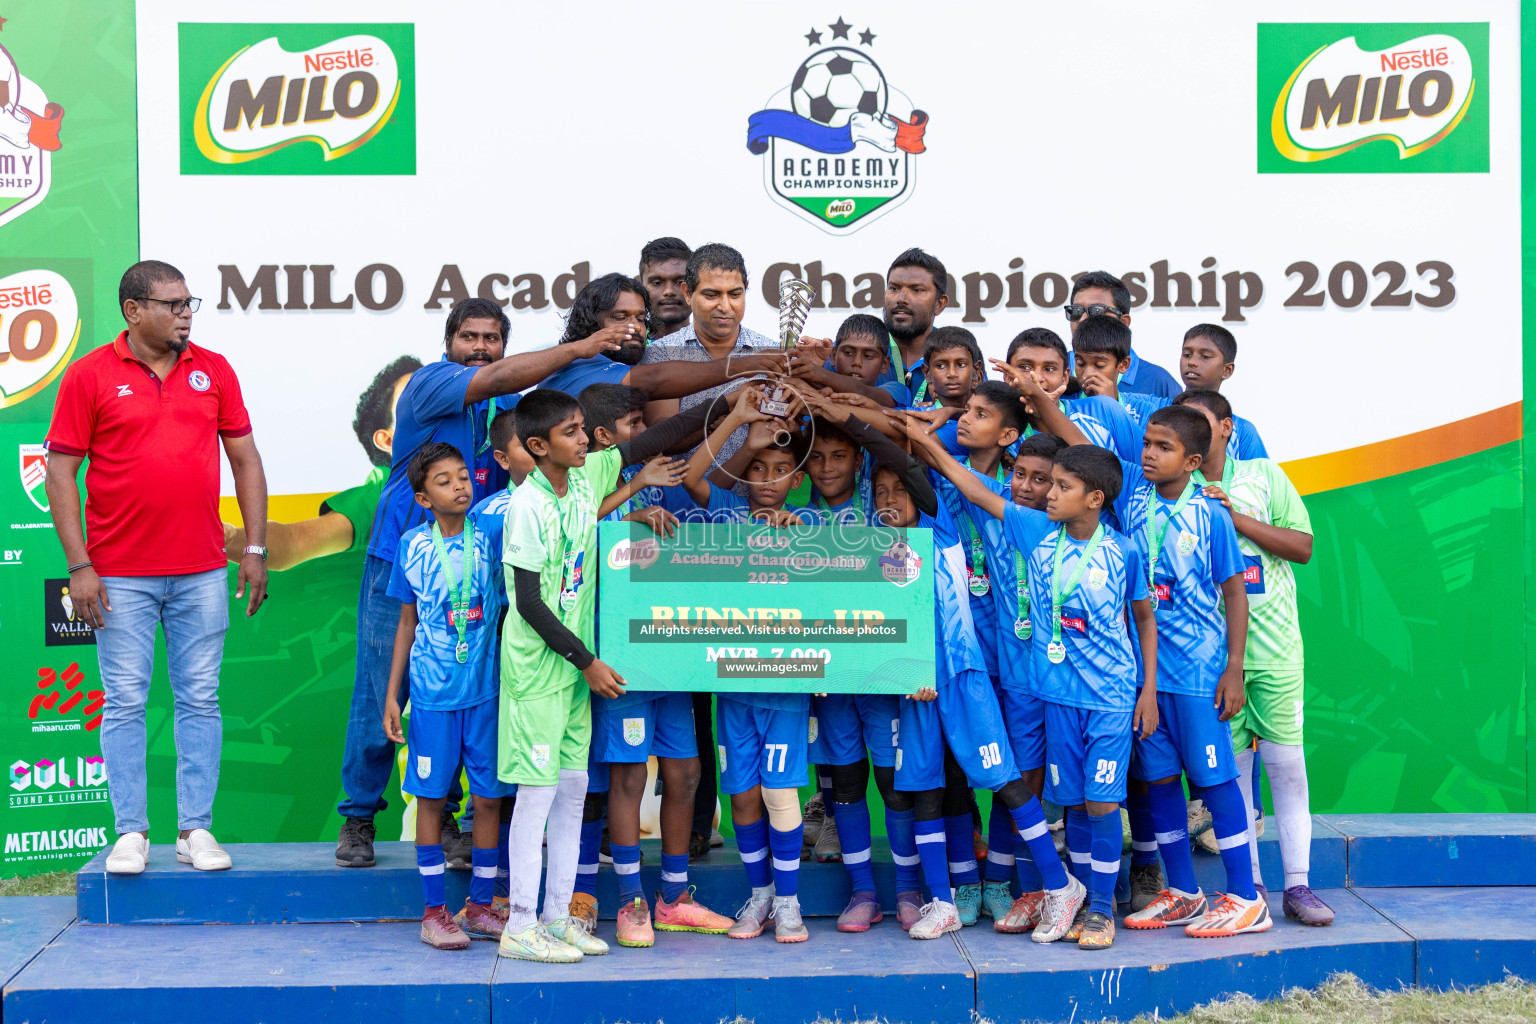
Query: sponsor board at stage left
x=65 y=782
x=29 y=136
x=54 y=843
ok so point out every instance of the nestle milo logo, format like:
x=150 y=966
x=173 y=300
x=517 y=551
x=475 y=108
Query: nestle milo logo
x=298 y=99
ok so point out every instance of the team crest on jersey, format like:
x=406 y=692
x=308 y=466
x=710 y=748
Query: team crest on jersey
x=539 y=753
x=634 y=731
x=813 y=730
x=1187 y=543
x=839 y=143
x=898 y=759
x=423 y=767
x=900 y=564
x=199 y=380
x=1098 y=578
x=722 y=758
x=1055 y=775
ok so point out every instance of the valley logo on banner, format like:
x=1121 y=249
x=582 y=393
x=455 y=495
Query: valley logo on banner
x=297 y=99
x=27 y=140
x=1373 y=98
x=838 y=143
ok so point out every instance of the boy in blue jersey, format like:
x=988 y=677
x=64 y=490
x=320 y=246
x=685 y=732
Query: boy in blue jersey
x=1042 y=354
x=1209 y=357
x=444 y=581
x=839 y=475
x=1101 y=351
x=1195 y=569
x=773 y=470
x=1090 y=578
x=857 y=361
x=1099 y=292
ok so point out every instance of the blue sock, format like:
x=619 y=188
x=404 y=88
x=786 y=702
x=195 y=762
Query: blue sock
x=626 y=864
x=1105 y=852
x=958 y=830
x=853 y=830
x=935 y=858
x=1030 y=821
x=1170 y=820
x=1000 y=856
x=503 y=859
x=901 y=828
x=1143 y=834
x=752 y=844
x=482 y=879
x=430 y=862
x=586 y=859
x=1080 y=844
x=674 y=876
x=786 y=859
x=1229 y=820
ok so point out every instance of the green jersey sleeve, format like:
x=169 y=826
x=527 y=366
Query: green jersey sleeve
x=602 y=472
x=357 y=506
x=1285 y=505
x=523 y=546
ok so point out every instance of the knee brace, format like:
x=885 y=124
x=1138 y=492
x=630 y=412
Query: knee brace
x=885 y=781
x=591 y=810
x=929 y=804
x=957 y=797
x=783 y=808
x=1013 y=794
x=849 y=781
x=507 y=804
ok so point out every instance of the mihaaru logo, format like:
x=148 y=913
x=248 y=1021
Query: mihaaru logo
x=838 y=142
x=1389 y=104
x=318 y=103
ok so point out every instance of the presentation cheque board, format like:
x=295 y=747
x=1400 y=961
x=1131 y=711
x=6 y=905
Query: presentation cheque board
x=731 y=607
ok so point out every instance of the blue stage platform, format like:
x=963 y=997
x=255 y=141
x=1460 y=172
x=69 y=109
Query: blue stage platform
x=1411 y=914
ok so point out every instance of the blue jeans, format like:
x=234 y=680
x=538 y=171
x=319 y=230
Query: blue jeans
x=369 y=757
x=193 y=611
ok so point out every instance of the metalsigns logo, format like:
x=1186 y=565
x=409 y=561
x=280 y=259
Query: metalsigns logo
x=838 y=142
x=28 y=140
x=297 y=99
x=1373 y=98
x=38 y=311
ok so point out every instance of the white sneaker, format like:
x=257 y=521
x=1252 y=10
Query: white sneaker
x=130 y=854
x=1059 y=910
x=939 y=918
x=202 y=851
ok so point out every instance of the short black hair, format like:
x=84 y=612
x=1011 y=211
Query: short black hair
x=1098 y=468
x=714 y=256
x=1191 y=427
x=860 y=325
x=140 y=279
x=604 y=404
x=660 y=250
x=1206 y=398
x=425 y=458
x=941 y=339
x=798 y=446
x=376 y=406
x=825 y=430
x=476 y=309
x=915 y=257
x=597 y=298
x=1005 y=400
x=503 y=429
x=1103 y=333
x=540 y=411
x=1038 y=337
x=1220 y=337
x=1109 y=282
x=1041 y=446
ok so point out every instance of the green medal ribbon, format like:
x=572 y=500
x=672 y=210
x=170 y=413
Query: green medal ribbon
x=858 y=504
x=461 y=592
x=980 y=584
x=1021 y=625
x=490 y=414
x=898 y=365
x=1156 y=533
x=1056 y=651
x=922 y=390
x=568 y=557
x=1228 y=471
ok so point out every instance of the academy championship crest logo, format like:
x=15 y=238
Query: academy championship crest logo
x=838 y=143
x=28 y=140
x=34 y=474
x=900 y=564
x=39 y=329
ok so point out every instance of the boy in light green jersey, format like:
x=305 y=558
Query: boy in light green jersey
x=1273 y=531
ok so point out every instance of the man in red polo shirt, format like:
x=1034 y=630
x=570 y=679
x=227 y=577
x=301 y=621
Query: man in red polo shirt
x=148 y=411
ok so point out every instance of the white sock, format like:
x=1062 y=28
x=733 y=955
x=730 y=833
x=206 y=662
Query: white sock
x=1287 y=767
x=1245 y=783
x=564 y=843
x=525 y=841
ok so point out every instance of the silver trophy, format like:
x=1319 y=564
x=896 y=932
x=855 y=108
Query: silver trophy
x=794 y=305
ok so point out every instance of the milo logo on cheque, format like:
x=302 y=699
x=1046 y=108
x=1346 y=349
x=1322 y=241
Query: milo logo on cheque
x=297 y=99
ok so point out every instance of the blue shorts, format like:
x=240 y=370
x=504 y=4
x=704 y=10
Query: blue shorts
x=973 y=727
x=1089 y=754
x=662 y=726
x=760 y=747
x=844 y=725
x=1024 y=714
x=597 y=771
x=438 y=742
x=919 y=747
x=1190 y=740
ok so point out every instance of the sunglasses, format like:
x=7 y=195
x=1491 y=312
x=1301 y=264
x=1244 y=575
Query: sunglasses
x=1076 y=312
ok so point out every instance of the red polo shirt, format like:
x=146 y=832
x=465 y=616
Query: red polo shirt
x=152 y=479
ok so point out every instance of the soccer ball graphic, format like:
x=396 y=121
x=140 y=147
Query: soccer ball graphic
x=836 y=83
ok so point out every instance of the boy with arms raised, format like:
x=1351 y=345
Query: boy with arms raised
x=444 y=579
x=1209 y=357
x=1101 y=347
x=1195 y=573
x=857 y=361
x=773 y=469
x=1273 y=531
x=1040 y=352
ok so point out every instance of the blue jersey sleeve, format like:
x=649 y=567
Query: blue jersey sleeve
x=722 y=500
x=1024 y=528
x=1135 y=574
x=436 y=391
x=1251 y=445
x=1226 y=557
x=808 y=516
x=399 y=586
x=1124 y=434
x=897 y=390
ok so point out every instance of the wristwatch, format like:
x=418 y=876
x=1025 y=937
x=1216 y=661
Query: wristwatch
x=252 y=549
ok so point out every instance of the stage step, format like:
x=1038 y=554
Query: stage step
x=1438 y=849
x=1466 y=936
x=275 y=883
x=27 y=924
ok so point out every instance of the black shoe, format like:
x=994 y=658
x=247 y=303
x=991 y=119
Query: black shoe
x=355 y=847
x=698 y=846
x=456 y=844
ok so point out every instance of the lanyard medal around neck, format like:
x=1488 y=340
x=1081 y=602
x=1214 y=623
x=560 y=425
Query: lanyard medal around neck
x=1155 y=533
x=1056 y=651
x=462 y=592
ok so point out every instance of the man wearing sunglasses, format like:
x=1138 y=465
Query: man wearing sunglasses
x=1099 y=291
x=148 y=411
